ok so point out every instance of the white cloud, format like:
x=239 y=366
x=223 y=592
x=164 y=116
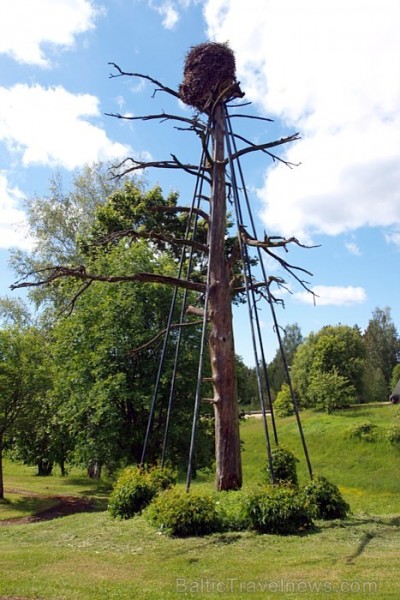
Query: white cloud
x=50 y=126
x=328 y=70
x=352 y=248
x=393 y=237
x=27 y=28
x=168 y=11
x=171 y=16
x=333 y=296
x=13 y=225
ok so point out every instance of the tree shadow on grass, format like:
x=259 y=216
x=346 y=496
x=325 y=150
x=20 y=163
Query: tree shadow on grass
x=360 y=521
x=389 y=526
x=60 y=506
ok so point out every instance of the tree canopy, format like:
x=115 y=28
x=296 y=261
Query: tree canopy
x=291 y=340
x=106 y=342
x=25 y=380
x=382 y=346
x=327 y=362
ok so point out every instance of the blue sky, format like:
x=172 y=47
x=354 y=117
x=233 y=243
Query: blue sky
x=328 y=69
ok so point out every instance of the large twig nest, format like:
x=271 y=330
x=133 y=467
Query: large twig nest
x=209 y=76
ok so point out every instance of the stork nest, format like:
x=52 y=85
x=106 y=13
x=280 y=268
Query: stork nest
x=209 y=76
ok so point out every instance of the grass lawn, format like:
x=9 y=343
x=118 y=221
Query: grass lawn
x=91 y=556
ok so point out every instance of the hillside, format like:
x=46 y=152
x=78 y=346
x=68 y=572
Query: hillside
x=365 y=471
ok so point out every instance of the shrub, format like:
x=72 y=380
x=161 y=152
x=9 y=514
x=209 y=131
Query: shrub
x=136 y=487
x=283 y=465
x=162 y=478
x=327 y=499
x=232 y=510
x=393 y=435
x=181 y=513
x=280 y=509
x=283 y=404
x=366 y=431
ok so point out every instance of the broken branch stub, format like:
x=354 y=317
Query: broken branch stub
x=209 y=76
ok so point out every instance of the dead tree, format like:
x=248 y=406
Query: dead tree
x=209 y=84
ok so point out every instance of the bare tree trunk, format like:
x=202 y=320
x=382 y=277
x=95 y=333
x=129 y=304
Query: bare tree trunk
x=94 y=469
x=221 y=344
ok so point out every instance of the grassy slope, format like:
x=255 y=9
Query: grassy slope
x=365 y=472
x=90 y=556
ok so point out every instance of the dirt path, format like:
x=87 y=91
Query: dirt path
x=66 y=505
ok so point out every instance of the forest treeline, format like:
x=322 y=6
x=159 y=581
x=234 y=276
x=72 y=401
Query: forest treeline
x=77 y=373
x=336 y=366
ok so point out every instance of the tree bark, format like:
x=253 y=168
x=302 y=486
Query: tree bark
x=44 y=467
x=221 y=344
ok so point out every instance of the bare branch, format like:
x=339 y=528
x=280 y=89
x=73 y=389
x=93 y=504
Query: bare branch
x=251 y=285
x=162 y=164
x=274 y=157
x=193 y=169
x=194 y=122
x=270 y=243
x=258 y=286
x=288 y=267
x=254 y=148
x=274 y=241
x=278 y=242
x=278 y=280
x=210 y=401
x=249 y=116
x=162 y=87
x=71 y=305
x=152 y=235
x=161 y=333
x=80 y=273
x=193 y=310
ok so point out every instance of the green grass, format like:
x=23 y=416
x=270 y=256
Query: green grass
x=366 y=472
x=90 y=556
x=27 y=494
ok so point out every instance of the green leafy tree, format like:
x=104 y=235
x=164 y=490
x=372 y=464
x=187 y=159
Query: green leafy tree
x=375 y=384
x=24 y=381
x=43 y=440
x=302 y=369
x=335 y=353
x=329 y=390
x=40 y=441
x=130 y=217
x=14 y=311
x=59 y=220
x=57 y=224
x=382 y=346
x=247 y=387
x=106 y=386
x=283 y=404
x=291 y=340
x=103 y=390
